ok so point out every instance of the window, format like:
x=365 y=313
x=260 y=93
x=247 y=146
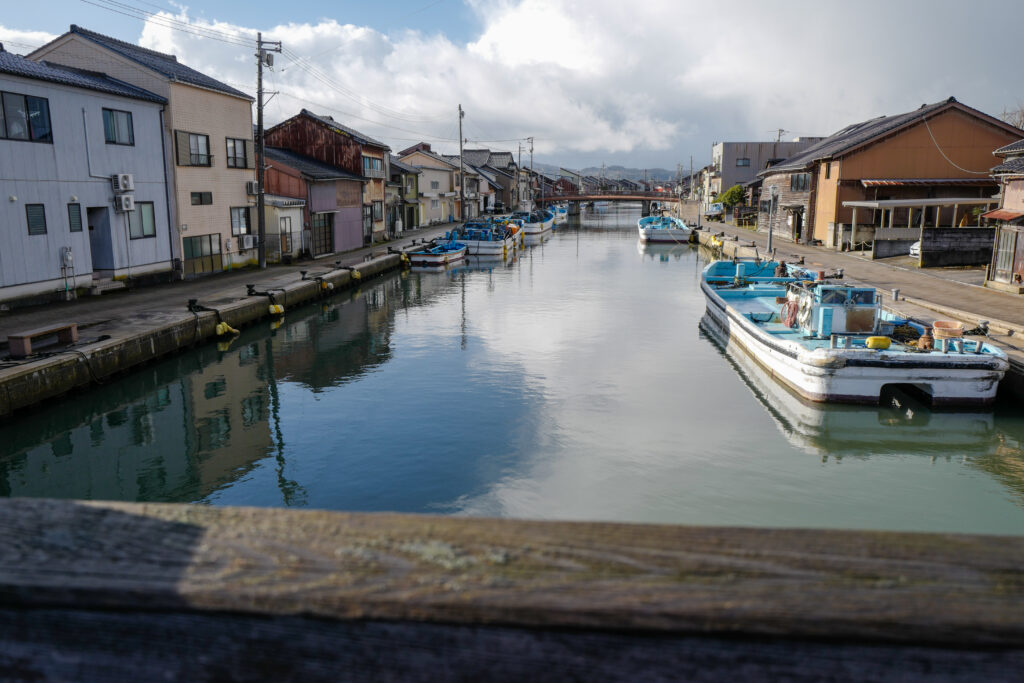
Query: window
x=202 y=198
x=117 y=127
x=371 y=164
x=142 y=221
x=378 y=211
x=240 y=220
x=800 y=182
x=435 y=185
x=434 y=204
x=75 y=217
x=410 y=183
x=743 y=161
x=193 y=149
x=24 y=117
x=236 y=153
x=36 y=216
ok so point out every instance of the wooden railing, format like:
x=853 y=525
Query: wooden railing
x=141 y=591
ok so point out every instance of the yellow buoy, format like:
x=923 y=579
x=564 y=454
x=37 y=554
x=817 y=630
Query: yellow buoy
x=356 y=275
x=880 y=343
x=276 y=309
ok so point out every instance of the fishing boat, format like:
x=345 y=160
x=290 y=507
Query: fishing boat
x=900 y=422
x=484 y=237
x=663 y=229
x=831 y=341
x=560 y=212
x=438 y=254
x=535 y=222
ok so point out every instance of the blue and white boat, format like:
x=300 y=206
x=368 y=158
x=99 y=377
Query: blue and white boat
x=830 y=341
x=438 y=254
x=535 y=222
x=484 y=237
x=663 y=229
x=560 y=212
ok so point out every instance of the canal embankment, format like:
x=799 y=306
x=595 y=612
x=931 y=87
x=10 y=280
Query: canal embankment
x=924 y=294
x=120 y=332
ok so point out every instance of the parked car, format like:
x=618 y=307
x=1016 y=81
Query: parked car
x=915 y=249
x=715 y=212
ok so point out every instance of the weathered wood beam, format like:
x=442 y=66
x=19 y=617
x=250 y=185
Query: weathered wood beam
x=73 y=573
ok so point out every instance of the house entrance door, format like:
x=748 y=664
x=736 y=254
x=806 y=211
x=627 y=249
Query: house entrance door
x=798 y=225
x=323 y=233
x=1004 y=254
x=101 y=237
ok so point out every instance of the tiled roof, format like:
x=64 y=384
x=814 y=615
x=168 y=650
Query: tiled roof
x=308 y=166
x=160 y=62
x=432 y=155
x=501 y=159
x=1012 y=148
x=401 y=166
x=17 y=65
x=356 y=135
x=477 y=157
x=1011 y=166
x=854 y=136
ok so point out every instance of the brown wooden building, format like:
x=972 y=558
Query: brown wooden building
x=331 y=143
x=1007 y=269
x=940 y=150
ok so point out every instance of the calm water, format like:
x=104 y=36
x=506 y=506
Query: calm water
x=572 y=383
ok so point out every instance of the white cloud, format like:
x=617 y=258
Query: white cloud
x=23 y=42
x=649 y=82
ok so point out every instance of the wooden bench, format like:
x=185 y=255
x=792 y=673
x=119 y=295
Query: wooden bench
x=21 y=343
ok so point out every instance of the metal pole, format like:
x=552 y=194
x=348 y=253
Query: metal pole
x=462 y=171
x=261 y=209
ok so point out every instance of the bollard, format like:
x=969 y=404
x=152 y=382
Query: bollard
x=896 y=294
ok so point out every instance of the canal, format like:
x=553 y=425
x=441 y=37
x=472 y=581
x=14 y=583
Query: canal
x=572 y=382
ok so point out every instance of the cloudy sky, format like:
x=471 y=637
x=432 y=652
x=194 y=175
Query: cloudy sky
x=593 y=81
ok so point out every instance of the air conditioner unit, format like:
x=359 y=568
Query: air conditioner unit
x=124 y=203
x=247 y=241
x=252 y=187
x=123 y=182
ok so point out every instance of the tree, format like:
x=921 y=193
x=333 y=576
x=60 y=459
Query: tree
x=1014 y=116
x=731 y=197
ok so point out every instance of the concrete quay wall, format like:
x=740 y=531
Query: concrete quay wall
x=77 y=368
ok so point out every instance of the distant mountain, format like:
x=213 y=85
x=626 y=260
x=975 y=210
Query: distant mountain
x=614 y=172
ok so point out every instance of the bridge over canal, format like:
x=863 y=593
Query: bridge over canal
x=646 y=198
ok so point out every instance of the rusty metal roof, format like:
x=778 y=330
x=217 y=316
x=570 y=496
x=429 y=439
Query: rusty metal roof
x=1003 y=215
x=917 y=182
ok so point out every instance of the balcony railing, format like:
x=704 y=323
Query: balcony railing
x=373 y=173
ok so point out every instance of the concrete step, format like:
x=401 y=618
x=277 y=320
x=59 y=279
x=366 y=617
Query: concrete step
x=103 y=286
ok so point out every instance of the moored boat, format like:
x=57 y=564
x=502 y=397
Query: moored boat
x=831 y=341
x=535 y=222
x=484 y=237
x=438 y=254
x=663 y=229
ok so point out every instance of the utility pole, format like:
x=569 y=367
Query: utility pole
x=519 y=178
x=531 y=172
x=781 y=131
x=263 y=57
x=462 y=171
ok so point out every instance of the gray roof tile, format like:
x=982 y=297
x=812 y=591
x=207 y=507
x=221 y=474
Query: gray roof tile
x=1012 y=166
x=1012 y=148
x=308 y=166
x=160 y=62
x=17 y=65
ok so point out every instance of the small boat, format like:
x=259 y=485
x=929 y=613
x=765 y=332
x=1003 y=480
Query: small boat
x=663 y=229
x=535 y=222
x=560 y=212
x=831 y=341
x=438 y=254
x=484 y=237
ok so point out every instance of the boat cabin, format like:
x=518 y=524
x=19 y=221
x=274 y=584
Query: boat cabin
x=837 y=309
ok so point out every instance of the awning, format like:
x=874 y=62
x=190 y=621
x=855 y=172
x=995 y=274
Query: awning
x=919 y=182
x=1003 y=215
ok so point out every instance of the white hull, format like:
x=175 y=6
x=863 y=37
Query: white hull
x=670 y=235
x=538 y=228
x=436 y=259
x=858 y=375
x=489 y=248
